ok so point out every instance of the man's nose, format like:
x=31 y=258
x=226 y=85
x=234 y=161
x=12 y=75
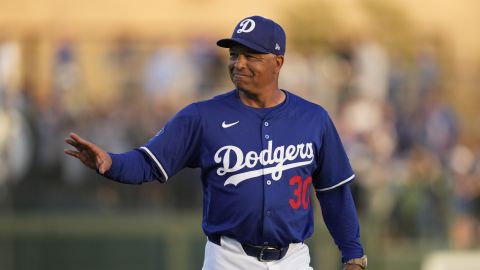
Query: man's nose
x=240 y=62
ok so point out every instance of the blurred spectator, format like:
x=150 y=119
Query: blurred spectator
x=52 y=119
x=421 y=208
x=371 y=70
x=296 y=75
x=441 y=131
x=343 y=50
x=169 y=75
x=208 y=65
x=15 y=134
x=67 y=78
x=465 y=168
x=124 y=59
x=428 y=77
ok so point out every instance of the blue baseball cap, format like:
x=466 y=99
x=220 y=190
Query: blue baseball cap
x=259 y=34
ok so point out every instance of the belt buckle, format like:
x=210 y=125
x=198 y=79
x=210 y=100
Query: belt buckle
x=260 y=255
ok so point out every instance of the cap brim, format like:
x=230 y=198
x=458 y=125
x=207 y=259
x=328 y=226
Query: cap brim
x=229 y=42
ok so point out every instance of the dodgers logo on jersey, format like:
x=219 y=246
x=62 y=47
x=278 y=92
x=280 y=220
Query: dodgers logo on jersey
x=274 y=158
x=246 y=26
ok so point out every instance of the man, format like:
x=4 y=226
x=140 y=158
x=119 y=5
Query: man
x=260 y=149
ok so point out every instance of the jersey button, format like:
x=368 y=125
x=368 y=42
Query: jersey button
x=269 y=182
x=267 y=137
x=265 y=243
x=269 y=213
x=266 y=124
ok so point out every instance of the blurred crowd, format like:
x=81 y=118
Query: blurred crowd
x=416 y=177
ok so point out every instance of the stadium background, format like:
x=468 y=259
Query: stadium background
x=400 y=79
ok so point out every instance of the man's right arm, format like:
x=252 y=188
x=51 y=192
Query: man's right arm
x=175 y=146
x=132 y=167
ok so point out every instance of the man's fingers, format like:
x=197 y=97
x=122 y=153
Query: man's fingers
x=72 y=153
x=72 y=142
x=79 y=140
x=88 y=153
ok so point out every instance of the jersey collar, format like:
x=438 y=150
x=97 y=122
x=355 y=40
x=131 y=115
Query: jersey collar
x=280 y=108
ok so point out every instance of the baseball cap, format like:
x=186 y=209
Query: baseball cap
x=259 y=34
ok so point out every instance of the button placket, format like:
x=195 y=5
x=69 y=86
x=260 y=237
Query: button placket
x=266 y=136
x=266 y=124
x=268 y=187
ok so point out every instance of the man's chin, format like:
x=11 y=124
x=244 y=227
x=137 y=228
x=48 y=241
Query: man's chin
x=248 y=91
x=241 y=86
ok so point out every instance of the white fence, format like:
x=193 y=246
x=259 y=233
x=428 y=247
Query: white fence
x=452 y=260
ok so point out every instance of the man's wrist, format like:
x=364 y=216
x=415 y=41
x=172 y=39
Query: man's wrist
x=360 y=262
x=352 y=267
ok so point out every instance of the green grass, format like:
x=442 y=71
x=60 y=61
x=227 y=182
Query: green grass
x=156 y=241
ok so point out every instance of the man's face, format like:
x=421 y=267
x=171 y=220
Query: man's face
x=252 y=71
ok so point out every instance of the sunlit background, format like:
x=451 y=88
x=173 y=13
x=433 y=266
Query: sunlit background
x=399 y=77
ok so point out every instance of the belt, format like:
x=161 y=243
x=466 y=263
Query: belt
x=262 y=253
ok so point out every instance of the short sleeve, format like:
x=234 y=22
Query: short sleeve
x=333 y=168
x=177 y=144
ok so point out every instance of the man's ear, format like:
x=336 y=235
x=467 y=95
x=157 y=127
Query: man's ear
x=279 y=59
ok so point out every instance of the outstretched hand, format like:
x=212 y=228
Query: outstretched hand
x=88 y=153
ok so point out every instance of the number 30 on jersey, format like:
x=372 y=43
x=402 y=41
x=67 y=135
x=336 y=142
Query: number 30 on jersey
x=301 y=192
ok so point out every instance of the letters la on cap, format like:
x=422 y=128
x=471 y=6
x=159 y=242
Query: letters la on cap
x=259 y=34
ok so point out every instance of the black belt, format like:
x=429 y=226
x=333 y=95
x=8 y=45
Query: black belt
x=262 y=253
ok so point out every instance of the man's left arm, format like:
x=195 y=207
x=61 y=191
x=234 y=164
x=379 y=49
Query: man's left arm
x=339 y=214
x=331 y=181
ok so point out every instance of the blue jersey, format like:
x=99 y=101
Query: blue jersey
x=257 y=170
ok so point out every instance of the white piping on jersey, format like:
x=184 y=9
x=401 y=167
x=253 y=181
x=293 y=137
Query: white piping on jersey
x=236 y=179
x=156 y=162
x=337 y=185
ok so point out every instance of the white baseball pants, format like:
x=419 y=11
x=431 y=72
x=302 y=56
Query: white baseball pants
x=230 y=256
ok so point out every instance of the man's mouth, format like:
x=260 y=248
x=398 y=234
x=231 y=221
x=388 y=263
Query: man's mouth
x=240 y=75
